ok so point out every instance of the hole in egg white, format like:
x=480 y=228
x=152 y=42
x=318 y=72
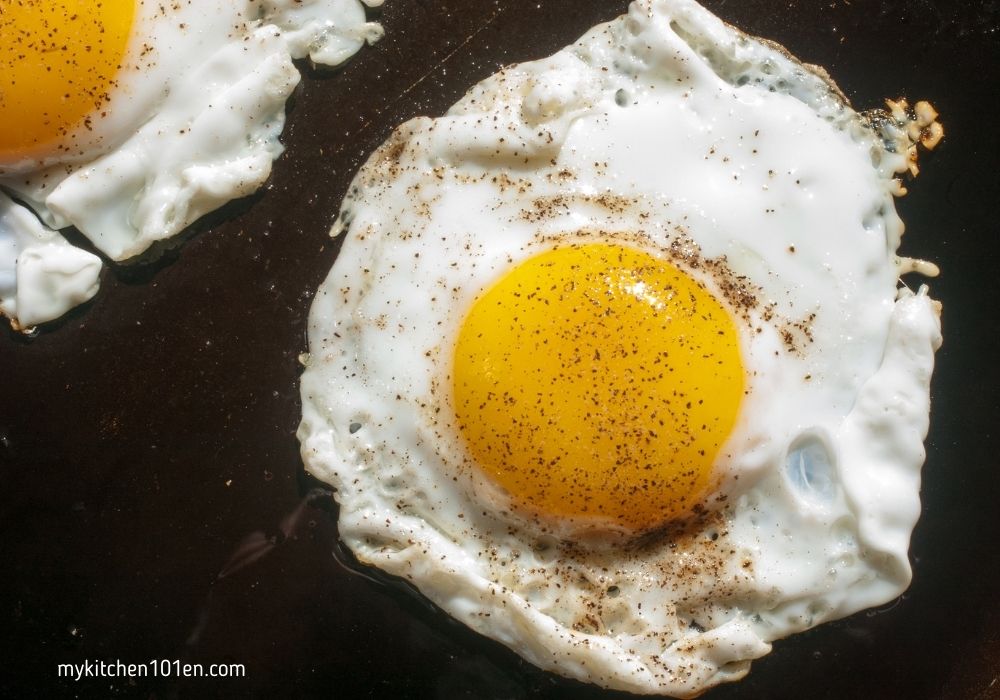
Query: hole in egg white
x=784 y=86
x=818 y=610
x=686 y=620
x=874 y=221
x=354 y=427
x=843 y=532
x=393 y=485
x=734 y=669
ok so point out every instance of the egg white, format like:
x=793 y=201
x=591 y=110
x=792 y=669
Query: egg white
x=668 y=130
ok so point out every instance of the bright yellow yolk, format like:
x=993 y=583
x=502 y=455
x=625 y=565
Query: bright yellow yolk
x=596 y=381
x=58 y=62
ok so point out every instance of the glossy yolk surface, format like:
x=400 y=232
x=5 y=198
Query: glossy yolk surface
x=597 y=381
x=58 y=64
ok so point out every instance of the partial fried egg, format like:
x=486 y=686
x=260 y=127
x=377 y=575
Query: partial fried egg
x=129 y=120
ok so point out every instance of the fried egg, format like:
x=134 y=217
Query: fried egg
x=615 y=365
x=129 y=120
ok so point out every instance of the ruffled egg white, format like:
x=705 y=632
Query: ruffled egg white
x=613 y=365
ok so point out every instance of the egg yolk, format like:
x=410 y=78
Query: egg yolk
x=58 y=62
x=596 y=381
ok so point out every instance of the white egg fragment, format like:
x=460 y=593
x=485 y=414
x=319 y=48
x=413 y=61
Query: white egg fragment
x=42 y=276
x=129 y=120
x=614 y=365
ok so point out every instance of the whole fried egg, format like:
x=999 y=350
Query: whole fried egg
x=615 y=364
x=129 y=120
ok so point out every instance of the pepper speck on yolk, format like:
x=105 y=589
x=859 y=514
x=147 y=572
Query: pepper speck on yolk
x=596 y=381
x=58 y=65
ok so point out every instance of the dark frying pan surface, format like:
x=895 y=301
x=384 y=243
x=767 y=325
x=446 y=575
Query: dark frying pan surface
x=150 y=433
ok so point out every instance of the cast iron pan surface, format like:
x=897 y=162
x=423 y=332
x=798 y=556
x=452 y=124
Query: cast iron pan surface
x=148 y=435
